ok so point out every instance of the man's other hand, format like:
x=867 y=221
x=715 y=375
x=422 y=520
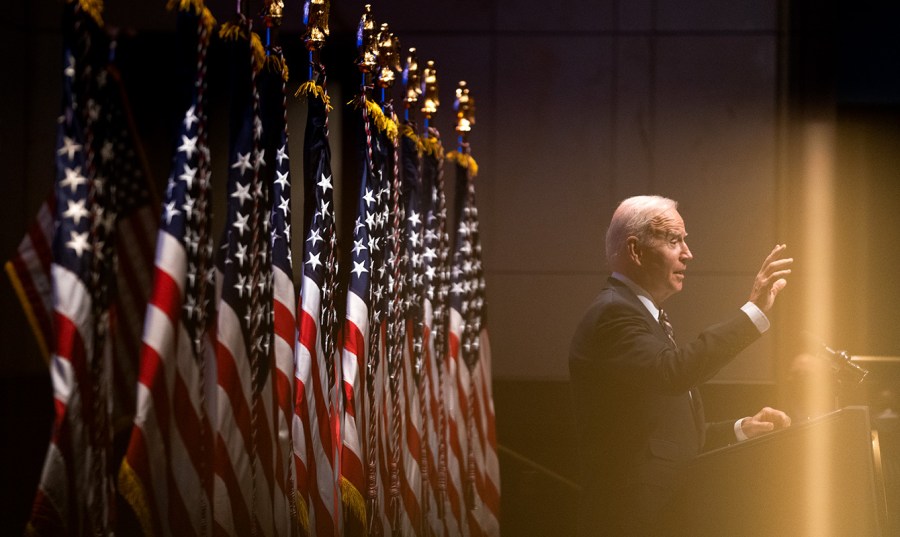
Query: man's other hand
x=766 y=420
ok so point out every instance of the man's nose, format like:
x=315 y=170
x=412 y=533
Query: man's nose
x=686 y=254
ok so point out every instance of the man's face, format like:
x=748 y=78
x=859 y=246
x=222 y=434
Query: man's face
x=662 y=262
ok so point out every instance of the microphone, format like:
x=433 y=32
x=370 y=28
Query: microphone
x=846 y=370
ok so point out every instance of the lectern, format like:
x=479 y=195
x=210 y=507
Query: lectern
x=813 y=479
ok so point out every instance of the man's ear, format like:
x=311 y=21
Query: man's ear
x=633 y=247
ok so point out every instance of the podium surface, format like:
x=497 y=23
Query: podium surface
x=816 y=478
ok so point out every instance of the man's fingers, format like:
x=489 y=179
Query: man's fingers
x=778 y=286
x=777 y=268
x=774 y=253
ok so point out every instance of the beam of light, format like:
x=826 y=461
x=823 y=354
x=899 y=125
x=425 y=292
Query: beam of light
x=818 y=187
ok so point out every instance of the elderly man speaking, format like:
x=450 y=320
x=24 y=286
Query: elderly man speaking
x=637 y=407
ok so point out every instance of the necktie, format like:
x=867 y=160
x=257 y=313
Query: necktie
x=693 y=399
x=667 y=326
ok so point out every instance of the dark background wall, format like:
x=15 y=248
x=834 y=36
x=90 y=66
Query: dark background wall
x=720 y=105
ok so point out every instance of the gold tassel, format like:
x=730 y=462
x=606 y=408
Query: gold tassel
x=382 y=122
x=207 y=20
x=433 y=147
x=310 y=88
x=131 y=488
x=408 y=132
x=231 y=31
x=276 y=64
x=354 y=504
x=466 y=161
x=94 y=8
x=197 y=6
x=258 y=51
x=185 y=5
x=302 y=515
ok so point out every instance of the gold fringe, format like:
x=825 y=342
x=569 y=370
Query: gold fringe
x=185 y=5
x=29 y=312
x=276 y=64
x=466 y=161
x=258 y=51
x=302 y=515
x=207 y=20
x=382 y=122
x=433 y=147
x=310 y=88
x=135 y=494
x=233 y=31
x=198 y=7
x=408 y=132
x=94 y=8
x=354 y=503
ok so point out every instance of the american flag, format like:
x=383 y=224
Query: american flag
x=377 y=208
x=389 y=378
x=75 y=494
x=354 y=357
x=120 y=165
x=405 y=478
x=273 y=108
x=477 y=439
x=244 y=447
x=166 y=475
x=317 y=437
x=414 y=386
x=446 y=518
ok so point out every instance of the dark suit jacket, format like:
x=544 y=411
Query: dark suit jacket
x=637 y=409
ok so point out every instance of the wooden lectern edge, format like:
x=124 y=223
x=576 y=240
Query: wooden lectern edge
x=795 y=428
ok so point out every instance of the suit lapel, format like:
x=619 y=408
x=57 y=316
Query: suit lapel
x=625 y=292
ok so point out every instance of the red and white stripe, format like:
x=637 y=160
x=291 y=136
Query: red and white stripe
x=314 y=384
x=482 y=519
x=485 y=421
x=355 y=338
x=243 y=485
x=455 y=405
x=301 y=437
x=57 y=506
x=411 y=441
x=448 y=525
x=167 y=462
x=135 y=246
x=384 y=428
x=29 y=272
x=285 y=335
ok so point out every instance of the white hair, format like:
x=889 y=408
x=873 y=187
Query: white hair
x=634 y=218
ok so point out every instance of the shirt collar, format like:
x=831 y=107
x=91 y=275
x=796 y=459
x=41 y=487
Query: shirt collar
x=642 y=294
